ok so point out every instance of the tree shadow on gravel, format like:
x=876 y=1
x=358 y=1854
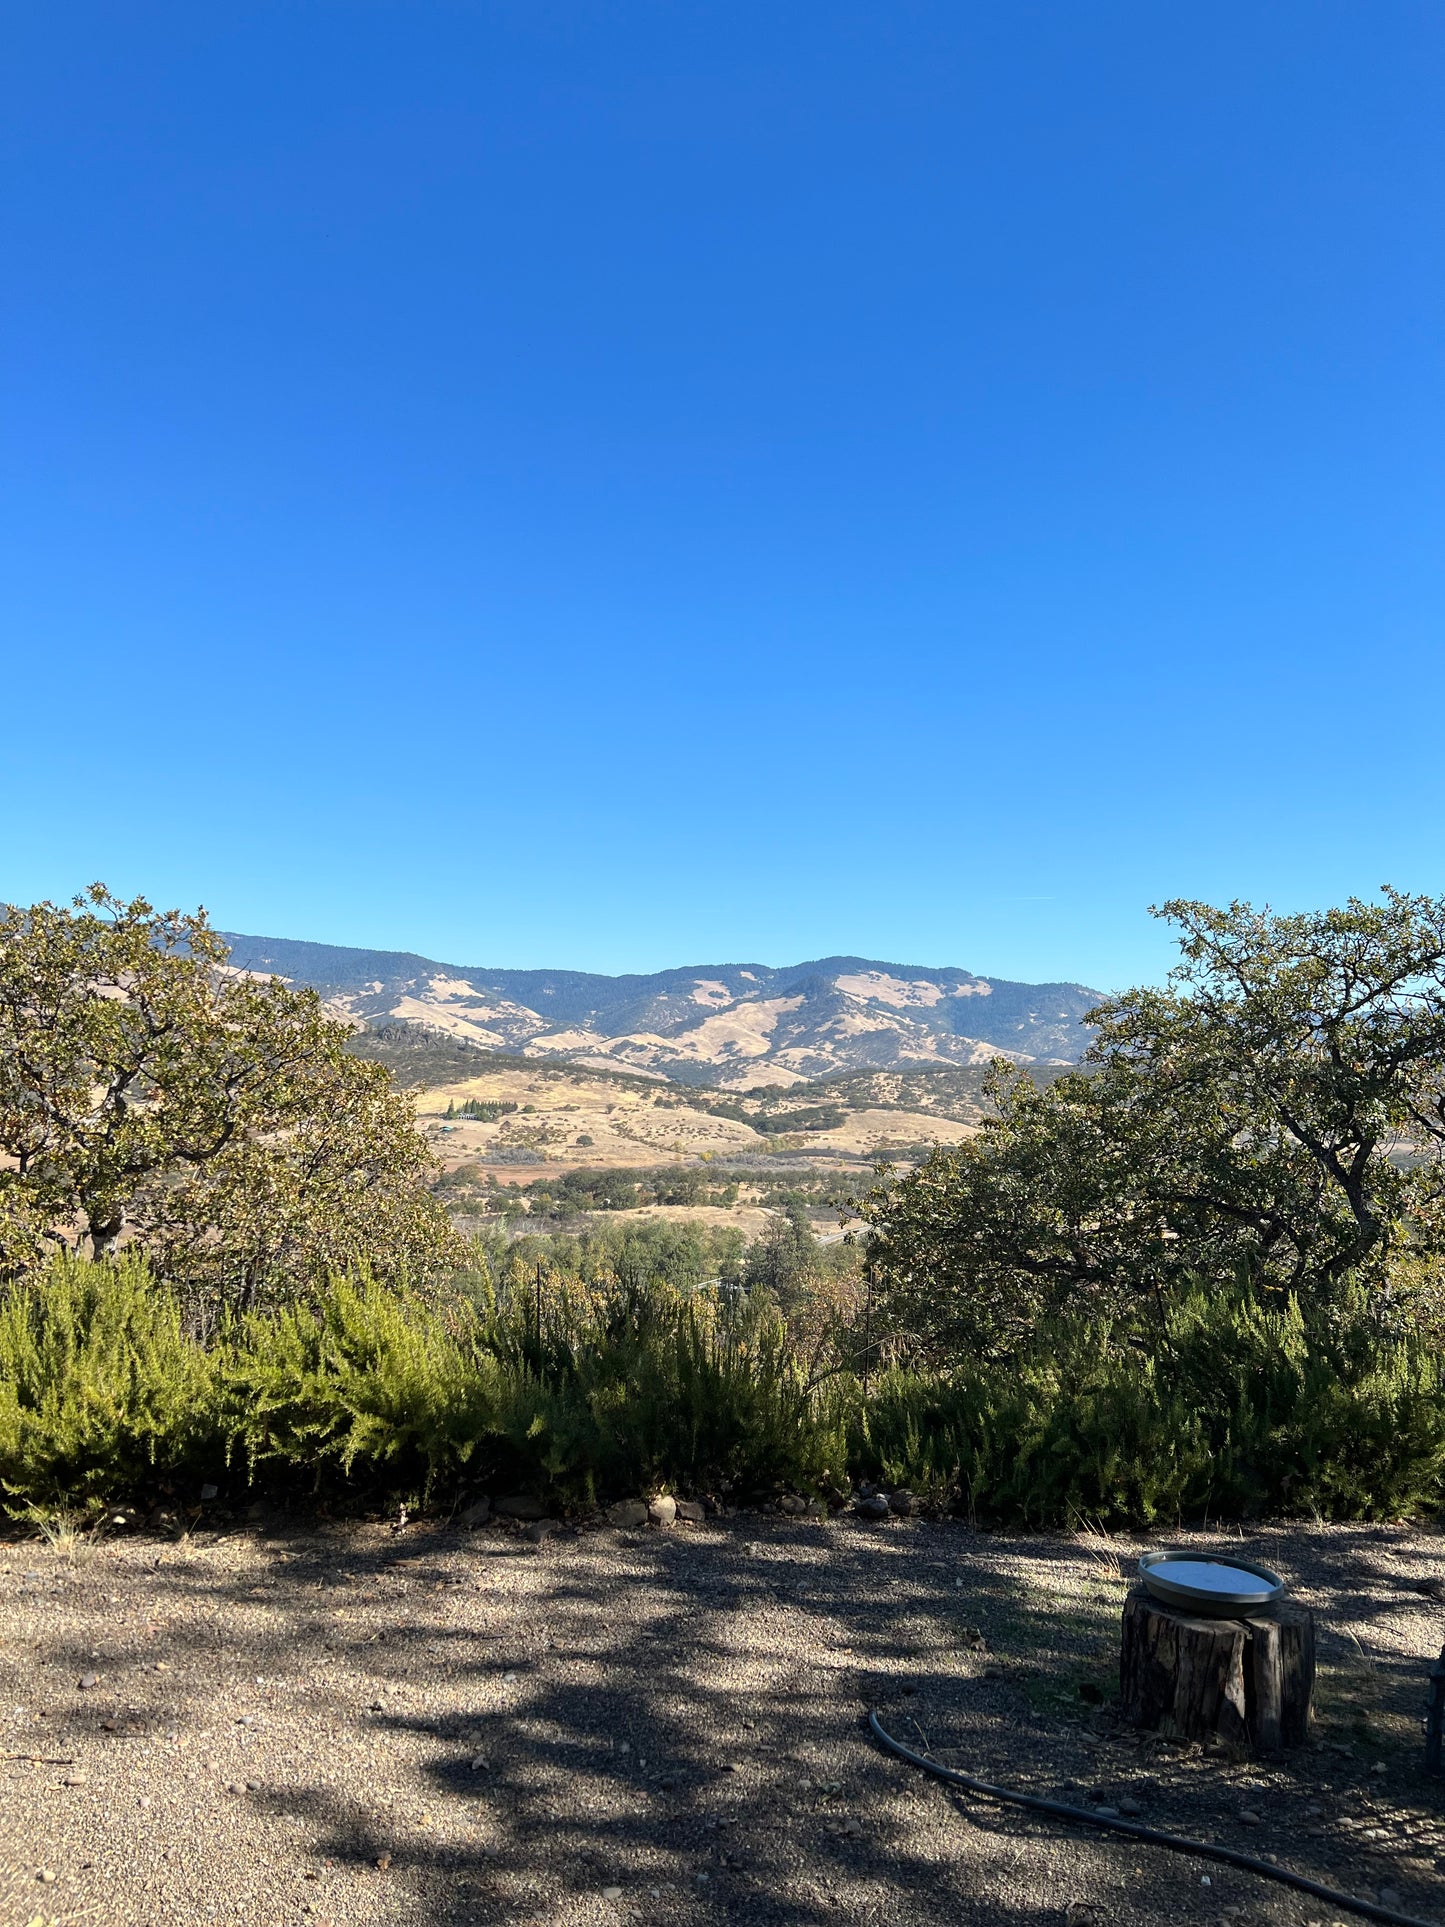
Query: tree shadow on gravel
x=668 y=1726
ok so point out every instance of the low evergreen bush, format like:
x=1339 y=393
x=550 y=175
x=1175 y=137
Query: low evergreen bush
x=101 y=1390
x=581 y=1389
x=1227 y=1407
x=364 y=1381
x=624 y=1384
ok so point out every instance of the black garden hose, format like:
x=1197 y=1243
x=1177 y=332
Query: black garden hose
x=1177 y=1842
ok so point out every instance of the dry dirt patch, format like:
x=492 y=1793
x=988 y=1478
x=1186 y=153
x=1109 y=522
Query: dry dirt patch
x=359 y=1725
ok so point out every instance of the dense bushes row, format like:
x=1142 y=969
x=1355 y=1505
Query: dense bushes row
x=583 y=1390
x=365 y=1391
x=1233 y=1408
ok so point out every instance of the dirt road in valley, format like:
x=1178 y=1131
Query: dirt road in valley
x=285 y=1726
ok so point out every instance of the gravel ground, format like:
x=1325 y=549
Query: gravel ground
x=289 y=1726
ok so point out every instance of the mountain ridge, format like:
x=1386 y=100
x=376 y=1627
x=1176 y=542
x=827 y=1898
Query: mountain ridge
x=727 y=1024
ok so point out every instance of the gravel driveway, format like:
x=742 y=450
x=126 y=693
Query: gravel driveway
x=288 y=1726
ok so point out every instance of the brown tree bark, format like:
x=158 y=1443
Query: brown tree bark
x=1246 y=1682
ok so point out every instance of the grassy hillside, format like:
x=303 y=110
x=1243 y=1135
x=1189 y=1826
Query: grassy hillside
x=524 y=1142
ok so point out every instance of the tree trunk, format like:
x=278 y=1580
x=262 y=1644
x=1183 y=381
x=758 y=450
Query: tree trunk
x=1246 y=1682
x=105 y=1234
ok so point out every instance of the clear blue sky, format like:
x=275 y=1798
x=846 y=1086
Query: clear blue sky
x=616 y=485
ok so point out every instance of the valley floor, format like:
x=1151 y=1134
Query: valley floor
x=357 y=1725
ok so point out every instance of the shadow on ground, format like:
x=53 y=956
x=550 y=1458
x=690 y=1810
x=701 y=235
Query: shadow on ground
x=357 y=1725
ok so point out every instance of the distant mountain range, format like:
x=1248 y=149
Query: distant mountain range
x=731 y=1025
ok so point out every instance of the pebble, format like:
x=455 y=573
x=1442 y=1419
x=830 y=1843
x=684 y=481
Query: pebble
x=45 y=1876
x=1130 y=1808
x=87 y=1680
x=1249 y=1818
x=612 y=1893
x=1391 y=1897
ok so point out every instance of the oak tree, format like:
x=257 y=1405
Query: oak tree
x=1276 y=1111
x=151 y=1094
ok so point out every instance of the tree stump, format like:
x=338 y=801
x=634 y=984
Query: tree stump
x=1246 y=1682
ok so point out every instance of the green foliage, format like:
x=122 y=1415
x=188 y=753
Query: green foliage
x=101 y=1390
x=366 y=1377
x=1280 y=1109
x=785 y=1260
x=1234 y=1407
x=584 y=1388
x=481 y=1109
x=149 y=1096
x=810 y=1117
x=634 y=1384
x=566 y=1194
x=540 y=1379
x=681 y=1254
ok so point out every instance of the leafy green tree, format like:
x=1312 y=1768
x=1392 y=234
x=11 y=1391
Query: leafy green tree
x=151 y=1095
x=784 y=1259
x=1276 y=1112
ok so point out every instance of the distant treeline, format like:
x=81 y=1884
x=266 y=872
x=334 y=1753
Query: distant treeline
x=570 y=1193
x=813 y=1117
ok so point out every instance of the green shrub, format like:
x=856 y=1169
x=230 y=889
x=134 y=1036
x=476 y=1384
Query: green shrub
x=575 y=1390
x=586 y=1388
x=101 y=1391
x=367 y=1379
x=1232 y=1408
x=627 y=1384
